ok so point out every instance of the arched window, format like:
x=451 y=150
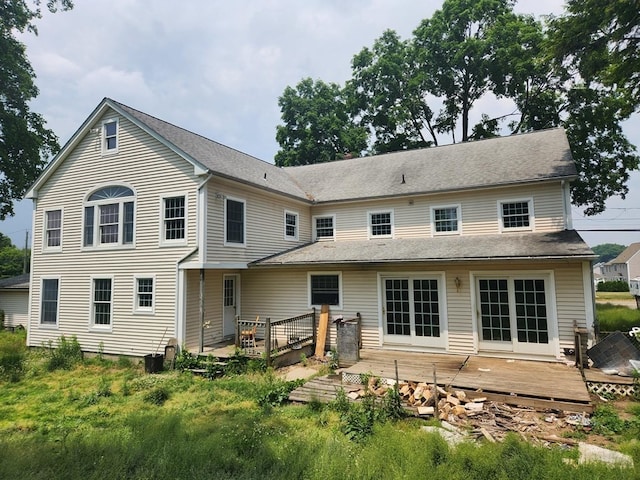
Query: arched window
x=108 y=217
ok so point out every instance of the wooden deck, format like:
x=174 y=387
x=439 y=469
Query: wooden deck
x=537 y=384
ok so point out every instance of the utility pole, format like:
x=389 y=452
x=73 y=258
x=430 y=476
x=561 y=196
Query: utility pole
x=26 y=252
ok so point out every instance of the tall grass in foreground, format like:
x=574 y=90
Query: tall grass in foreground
x=616 y=317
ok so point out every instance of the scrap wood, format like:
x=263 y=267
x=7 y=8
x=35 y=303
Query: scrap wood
x=322 y=331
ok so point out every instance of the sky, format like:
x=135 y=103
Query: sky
x=217 y=68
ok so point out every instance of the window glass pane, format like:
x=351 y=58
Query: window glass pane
x=110 y=135
x=426 y=308
x=446 y=219
x=54 y=228
x=102 y=301
x=515 y=214
x=49 y=308
x=398 y=316
x=325 y=289
x=235 y=221
x=174 y=214
x=291 y=221
x=494 y=310
x=324 y=227
x=114 y=191
x=88 y=226
x=145 y=292
x=109 y=215
x=127 y=233
x=531 y=311
x=380 y=223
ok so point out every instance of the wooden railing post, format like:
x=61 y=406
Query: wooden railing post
x=267 y=340
x=237 y=331
x=313 y=327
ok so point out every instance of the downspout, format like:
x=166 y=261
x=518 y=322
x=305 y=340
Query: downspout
x=566 y=205
x=202 y=254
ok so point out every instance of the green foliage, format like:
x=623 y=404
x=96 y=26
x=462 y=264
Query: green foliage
x=276 y=391
x=157 y=396
x=613 y=286
x=65 y=355
x=608 y=251
x=605 y=421
x=13 y=356
x=185 y=360
x=615 y=317
x=11 y=258
x=317 y=126
x=25 y=143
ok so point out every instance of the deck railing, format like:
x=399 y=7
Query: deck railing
x=280 y=335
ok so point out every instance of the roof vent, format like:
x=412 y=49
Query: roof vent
x=403 y=179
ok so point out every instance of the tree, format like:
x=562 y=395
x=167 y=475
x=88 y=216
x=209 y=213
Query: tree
x=385 y=91
x=318 y=127
x=25 y=142
x=11 y=258
x=608 y=251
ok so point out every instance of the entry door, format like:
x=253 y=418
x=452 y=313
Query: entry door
x=515 y=315
x=413 y=311
x=230 y=307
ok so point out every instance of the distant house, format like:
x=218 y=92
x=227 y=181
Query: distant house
x=14 y=300
x=625 y=266
x=144 y=230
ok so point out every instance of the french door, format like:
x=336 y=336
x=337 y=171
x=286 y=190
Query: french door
x=515 y=314
x=413 y=311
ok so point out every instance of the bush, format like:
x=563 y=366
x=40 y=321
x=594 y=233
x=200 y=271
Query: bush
x=13 y=356
x=65 y=355
x=613 y=286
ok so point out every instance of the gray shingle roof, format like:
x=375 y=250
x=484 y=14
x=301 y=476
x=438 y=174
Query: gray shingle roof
x=514 y=159
x=20 y=282
x=219 y=159
x=564 y=244
x=627 y=253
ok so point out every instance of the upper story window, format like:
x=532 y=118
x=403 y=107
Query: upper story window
x=110 y=136
x=516 y=215
x=174 y=213
x=324 y=227
x=108 y=217
x=445 y=220
x=381 y=224
x=234 y=222
x=53 y=229
x=290 y=225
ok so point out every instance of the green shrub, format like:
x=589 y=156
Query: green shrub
x=277 y=391
x=1 y=320
x=186 y=360
x=613 y=286
x=13 y=356
x=157 y=396
x=65 y=355
x=616 y=317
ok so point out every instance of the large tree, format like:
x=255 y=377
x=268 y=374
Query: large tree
x=318 y=127
x=25 y=142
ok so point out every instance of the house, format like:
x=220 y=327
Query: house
x=625 y=266
x=14 y=300
x=144 y=231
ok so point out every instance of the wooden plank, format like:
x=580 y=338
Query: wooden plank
x=322 y=330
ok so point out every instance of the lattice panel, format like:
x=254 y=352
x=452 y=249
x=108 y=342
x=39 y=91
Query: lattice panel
x=354 y=378
x=614 y=389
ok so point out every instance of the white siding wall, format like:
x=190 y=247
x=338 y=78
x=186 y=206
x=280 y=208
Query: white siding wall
x=15 y=304
x=412 y=217
x=152 y=171
x=280 y=293
x=264 y=212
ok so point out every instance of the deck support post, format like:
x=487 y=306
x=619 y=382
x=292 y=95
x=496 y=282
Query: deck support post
x=267 y=340
x=201 y=311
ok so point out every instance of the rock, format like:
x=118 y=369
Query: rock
x=452 y=438
x=591 y=453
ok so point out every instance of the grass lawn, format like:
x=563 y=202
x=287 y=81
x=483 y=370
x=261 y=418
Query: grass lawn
x=601 y=296
x=100 y=419
x=613 y=317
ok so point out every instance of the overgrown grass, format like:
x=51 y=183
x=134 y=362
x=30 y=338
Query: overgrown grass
x=111 y=420
x=616 y=317
x=613 y=296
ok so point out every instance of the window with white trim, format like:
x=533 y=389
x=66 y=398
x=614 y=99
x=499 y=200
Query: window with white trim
x=381 y=224
x=516 y=215
x=290 y=225
x=109 y=217
x=144 y=294
x=53 y=229
x=234 y=222
x=445 y=220
x=174 y=219
x=324 y=227
x=325 y=288
x=110 y=136
x=49 y=301
x=101 y=302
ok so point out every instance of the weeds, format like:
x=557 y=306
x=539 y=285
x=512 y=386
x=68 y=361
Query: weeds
x=616 y=317
x=157 y=396
x=13 y=356
x=67 y=354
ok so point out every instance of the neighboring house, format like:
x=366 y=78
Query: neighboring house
x=625 y=266
x=14 y=300
x=144 y=231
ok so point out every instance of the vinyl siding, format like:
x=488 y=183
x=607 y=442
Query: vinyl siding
x=213 y=295
x=15 y=305
x=264 y=221
x=152 y=171
x=412 y=216
x=283 y=292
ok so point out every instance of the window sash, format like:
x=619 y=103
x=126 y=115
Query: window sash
x=445 y=219
x=325 y=289
x=114 y=224
x=53 y=228
x=144 y=293
x=291 y=225
x=324 y=227
x=235 y=221
x=174 y=218
x=380 y=224
x=515 y=215
x=49 y=301
x=102 y=293
x=111 y=135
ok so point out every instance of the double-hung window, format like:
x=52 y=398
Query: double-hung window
x=234 y=215
x=445 y=220
x=110 y=136
x=49 y=301
x=381 y=224
x=101 y=302
x=516 y=215
x=144 y=294
x=325 y=288
x=109 y=217
x=174 y=219
x=53 y=229
x=324 y=227
x=290 y=225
